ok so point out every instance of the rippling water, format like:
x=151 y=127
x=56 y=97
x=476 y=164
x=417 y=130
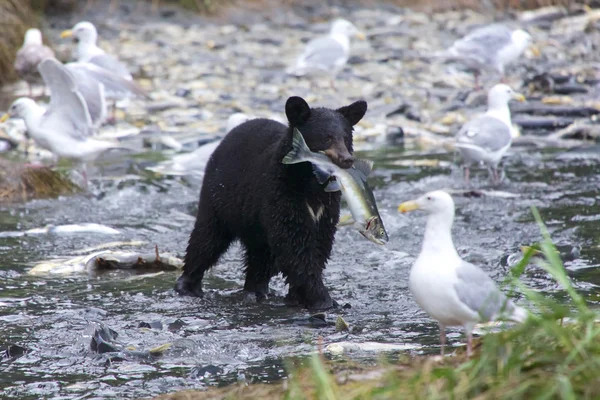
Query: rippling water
x=53 y=317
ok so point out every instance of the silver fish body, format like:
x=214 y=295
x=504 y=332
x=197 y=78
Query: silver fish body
x=352 y=182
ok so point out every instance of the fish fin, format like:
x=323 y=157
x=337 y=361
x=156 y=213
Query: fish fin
x=333 y=186
x=299 y=147
x=322 y=175
x=364 y=166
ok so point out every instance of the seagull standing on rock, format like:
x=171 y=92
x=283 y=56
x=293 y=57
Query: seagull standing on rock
x=449 y=289
x=329 y=54
x=490 y=47
x=103 y=66
x=488 y=137
x=30 y=55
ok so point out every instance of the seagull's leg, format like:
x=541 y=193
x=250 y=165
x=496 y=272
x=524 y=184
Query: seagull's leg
x=469 y=343
x=467 y=173
x=332 y=83
x=30 y=89
x=476 y=74
x=112 y=120
x=442 y=338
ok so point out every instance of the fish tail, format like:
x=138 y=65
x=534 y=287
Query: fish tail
x=299 y=149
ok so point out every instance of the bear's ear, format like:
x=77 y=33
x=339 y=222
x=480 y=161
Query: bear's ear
x=354 y=112
x=297 y=110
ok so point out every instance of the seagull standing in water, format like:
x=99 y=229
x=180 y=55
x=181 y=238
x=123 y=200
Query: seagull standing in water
x=488 y=137
x=329 y=54
x=490 y=47
x=65 y=127
x=449 y=289
x=30 y=55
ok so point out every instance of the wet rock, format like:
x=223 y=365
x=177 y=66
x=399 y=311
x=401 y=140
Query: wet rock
x=151 y=325
x=102 y=338
x=21 y=183
x=183 y=92
x=176 y=325
x=205 y=371
x=407 y=110
x=14 y=351
x=565 y=111
x=541 y=123
x=318 y=320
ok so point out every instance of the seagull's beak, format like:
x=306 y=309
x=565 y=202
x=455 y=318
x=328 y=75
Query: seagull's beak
x=361 y=35
x=535 y=51
x=66 y=34
x=407 y=206
x=519 y=97
x=5 y=117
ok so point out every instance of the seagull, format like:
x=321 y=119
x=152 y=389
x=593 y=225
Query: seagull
x=449 y=289
x=194 y=163
x=93 y=82
x=328 y=54
x=486 y=138
x=65 y=127
x=30 y=55
x=103 y=66
x=490 y=47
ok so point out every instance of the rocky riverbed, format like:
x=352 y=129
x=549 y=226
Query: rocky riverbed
x=199 y=71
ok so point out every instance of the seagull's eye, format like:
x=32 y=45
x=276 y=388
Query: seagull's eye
x=429 y=198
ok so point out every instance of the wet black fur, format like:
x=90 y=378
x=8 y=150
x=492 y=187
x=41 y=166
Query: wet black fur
x=248 y=194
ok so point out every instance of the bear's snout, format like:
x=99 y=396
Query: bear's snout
x=340 y=157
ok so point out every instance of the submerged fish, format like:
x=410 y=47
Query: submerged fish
x=352 y=182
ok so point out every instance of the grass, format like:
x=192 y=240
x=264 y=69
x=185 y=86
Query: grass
x=553 y=355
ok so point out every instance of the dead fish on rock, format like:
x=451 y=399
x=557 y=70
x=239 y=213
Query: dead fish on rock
x=349 y=347
x=109 y=260
x=352 y=182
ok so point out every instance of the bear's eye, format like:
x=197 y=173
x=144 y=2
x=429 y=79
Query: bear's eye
x=329 y=138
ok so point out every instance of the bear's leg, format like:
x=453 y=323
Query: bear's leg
x=259 y=270
x=208 y=241
x=302 y=270
x=323 y=244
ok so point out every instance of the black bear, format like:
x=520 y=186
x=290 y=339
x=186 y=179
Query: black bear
x=283 y=217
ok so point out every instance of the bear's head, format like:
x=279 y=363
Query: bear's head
x=326 y=130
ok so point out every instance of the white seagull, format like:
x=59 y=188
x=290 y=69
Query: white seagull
x=327 y=55
x=65 y=127
x=491 y=47
x=486 y=138
x=449 y=289
x=95 y=62
x=30 y=55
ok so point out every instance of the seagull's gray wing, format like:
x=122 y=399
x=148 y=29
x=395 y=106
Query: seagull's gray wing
x=111 y=64
x=92 y=92
x=323 y=53
x=479 y=292
x=27 y=59
x=484 y=43
x=114 y=85
x=67 y=112
x=485 y=132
